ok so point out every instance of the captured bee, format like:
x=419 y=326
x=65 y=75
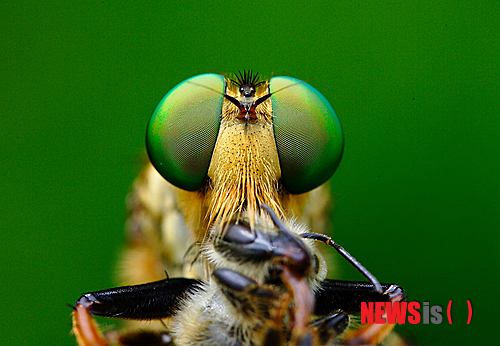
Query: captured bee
x=227 y=148
x=282 y=299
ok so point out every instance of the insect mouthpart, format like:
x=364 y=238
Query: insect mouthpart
x=292 y=252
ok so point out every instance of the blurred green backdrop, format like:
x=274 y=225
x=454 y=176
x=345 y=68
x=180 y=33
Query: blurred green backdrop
x=416 y=86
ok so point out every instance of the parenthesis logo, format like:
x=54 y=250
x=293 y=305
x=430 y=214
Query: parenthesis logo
x=470 y=311
x=448 y=311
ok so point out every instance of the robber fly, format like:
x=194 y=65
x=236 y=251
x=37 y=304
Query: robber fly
x=228 y=147
x=225 y=146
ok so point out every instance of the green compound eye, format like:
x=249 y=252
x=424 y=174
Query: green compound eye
x=183 y=129
x=307 y=132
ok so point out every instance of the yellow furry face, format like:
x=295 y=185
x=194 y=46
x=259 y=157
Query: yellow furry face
x=235 y=144
x=244 y=171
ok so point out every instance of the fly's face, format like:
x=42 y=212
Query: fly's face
x=239 y=143
x=244 y=169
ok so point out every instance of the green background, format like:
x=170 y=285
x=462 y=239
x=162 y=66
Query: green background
x=416 y=86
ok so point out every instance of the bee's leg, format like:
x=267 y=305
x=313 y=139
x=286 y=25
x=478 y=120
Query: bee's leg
x=238 y=283
x=329 y=327
x=261 y=301
x=320 y=332
x=291 y=301
x=255 y=304
x=347 y=296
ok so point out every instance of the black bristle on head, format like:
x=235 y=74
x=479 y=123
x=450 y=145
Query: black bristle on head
x=247 y=78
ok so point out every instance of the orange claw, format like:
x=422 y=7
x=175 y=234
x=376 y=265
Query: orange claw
x=373 y=334
x=85 y=328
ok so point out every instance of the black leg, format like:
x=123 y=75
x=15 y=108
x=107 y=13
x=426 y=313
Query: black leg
x=153 y=300
x=347 y=295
